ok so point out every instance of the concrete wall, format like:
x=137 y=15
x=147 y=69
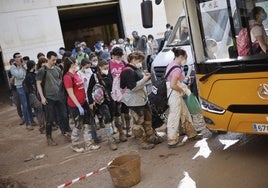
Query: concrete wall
x=173 y=10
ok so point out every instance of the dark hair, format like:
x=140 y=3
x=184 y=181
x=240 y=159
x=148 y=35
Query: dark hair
x=135 y=55
x=85 y=61
x=91 y=55
x=117 y=51
x=66 y=54
x=50 y=54
x=15 y=54
x=167 y=25
x=150 y=36
x=68 y=61
x=40 y=54
x=178 y=51
x=30 y=65
x=40 y=62
x=255 y=11
x=26 y=58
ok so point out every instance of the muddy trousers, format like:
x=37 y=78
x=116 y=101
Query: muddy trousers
x=178 y=112
x=81 y=124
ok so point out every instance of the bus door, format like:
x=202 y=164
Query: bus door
x=233 y=89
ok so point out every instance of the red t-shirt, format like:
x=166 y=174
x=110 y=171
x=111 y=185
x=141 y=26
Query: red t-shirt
x=74 y=81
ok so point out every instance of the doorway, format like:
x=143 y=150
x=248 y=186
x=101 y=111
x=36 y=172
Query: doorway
x=91 y=23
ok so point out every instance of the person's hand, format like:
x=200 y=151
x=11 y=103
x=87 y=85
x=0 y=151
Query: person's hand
x=91 y=106
x=187 y=91
x=44 y=101
x=81 y=110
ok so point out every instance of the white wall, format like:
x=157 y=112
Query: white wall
x=30 y=32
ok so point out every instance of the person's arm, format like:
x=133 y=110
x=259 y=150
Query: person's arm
x=91 y=84
x=70 y=92
x=262 y=43
x=174 y=84
x=40 y=91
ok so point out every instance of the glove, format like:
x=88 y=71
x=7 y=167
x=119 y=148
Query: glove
x=81 y=110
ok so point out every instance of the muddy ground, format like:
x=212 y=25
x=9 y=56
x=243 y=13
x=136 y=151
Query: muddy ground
x=243 y=164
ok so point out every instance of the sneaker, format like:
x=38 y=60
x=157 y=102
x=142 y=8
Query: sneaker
x=29 y=127
x=78 y=150
x=92 y=147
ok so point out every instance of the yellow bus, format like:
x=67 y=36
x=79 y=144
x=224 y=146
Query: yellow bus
x=233 y=89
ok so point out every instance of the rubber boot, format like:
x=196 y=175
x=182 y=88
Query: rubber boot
x=111 y=141
x=118 y=125
x=50 y=141
x=150 y=134
x=138 y=133
x=127 y=124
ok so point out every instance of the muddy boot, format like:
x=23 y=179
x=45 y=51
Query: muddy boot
x=127 y=124
x=118 y=124
x=50 y=141
x=189 y=129
x=112 y=143
x=89 y=146
x=138 y=133
x=151 y=135
x=42 y=129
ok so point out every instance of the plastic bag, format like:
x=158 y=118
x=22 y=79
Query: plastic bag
x=193 y=104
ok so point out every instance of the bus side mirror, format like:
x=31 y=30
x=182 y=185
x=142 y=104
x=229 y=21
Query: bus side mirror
x=147 y=14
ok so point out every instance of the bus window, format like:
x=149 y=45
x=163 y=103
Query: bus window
x=181 y=34
x=215 y=25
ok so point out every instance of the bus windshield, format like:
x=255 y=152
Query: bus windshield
x=180 y=33
x=219 y=36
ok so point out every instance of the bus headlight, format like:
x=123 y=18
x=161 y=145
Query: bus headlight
x=210 y=107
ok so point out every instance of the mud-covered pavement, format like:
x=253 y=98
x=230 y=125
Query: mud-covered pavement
x=217 y=161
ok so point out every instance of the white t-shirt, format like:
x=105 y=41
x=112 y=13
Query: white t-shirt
x=85 y=77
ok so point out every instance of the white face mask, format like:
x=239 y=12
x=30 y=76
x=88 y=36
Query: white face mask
x=87 y=70
x=95 y=63
x=183 y=62
x=139 y=65
x=105 y=72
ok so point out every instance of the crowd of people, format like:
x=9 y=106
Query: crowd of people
x=82 y=90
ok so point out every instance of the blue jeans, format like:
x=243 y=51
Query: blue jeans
x=26 y=107
x=60 y=108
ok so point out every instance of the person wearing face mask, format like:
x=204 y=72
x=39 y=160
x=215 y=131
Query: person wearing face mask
x=257 y=32
x=78 y=106
x=85 y=74
x=93 y=58
x=121 y=111
x=133 y=81
x=178 y=111
x=103 y=77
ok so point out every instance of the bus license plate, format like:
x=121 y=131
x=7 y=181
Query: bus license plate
x=260 y=128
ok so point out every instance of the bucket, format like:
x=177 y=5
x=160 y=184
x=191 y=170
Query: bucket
x=125 y=170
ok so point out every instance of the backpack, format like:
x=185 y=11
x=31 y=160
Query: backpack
x=243 y=43
x=158 y=99
x=98 y=91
